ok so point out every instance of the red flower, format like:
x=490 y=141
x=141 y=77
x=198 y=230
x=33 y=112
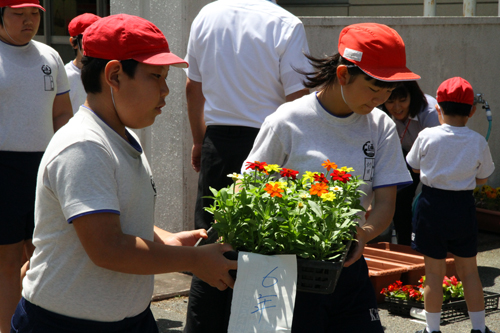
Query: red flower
x=340 y=175
x=320 y=178
x=257 y=166
x=289 y=173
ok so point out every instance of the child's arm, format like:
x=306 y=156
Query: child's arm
x=183 y=238
x=108 y=247
x=379 y=219
x=481 y=181
x=61 y=111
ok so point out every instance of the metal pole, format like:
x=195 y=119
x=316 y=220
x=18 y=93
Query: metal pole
x=430 y=7
x=469 y=7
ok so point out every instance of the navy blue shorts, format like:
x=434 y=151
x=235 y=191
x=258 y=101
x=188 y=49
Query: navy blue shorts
x=445 y=221
x=352 y=308
x=18 y=171
x=30 y=318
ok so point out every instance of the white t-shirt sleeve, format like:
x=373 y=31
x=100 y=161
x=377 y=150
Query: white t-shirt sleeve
x=267 y=148
x=62 y=77
x=294 y=57
x=193 y=71
x=487 y=166
x=414 y=155
x=82 y=184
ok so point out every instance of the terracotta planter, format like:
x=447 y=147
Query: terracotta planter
x=488 y=220
x=382 y=273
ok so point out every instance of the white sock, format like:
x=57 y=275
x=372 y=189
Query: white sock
x=477 y=320
x=432 y=319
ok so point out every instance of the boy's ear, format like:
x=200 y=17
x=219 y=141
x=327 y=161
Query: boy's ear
x=112 y=73
x=440 y=114
x=342 y=75
x=472 y=111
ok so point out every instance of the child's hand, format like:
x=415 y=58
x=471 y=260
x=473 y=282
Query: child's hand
x=212 y=267
x=186 y=238
x=359 y=246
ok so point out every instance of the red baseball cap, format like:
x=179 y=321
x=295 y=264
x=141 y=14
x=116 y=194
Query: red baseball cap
x=21 y=4
x=123 y=37
x=377 y=49
x=78 y=24
x=456 y=90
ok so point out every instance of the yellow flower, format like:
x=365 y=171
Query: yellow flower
x=308 y=175
x=282 y=185
x=328 y=196
x=346 y=169
x=272 y=167
x=300 y=204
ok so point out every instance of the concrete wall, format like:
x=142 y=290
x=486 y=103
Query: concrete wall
x=437 y=48
x=387 y=8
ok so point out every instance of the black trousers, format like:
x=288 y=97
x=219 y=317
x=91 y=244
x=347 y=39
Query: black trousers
x=223 y=152
x=403 y=214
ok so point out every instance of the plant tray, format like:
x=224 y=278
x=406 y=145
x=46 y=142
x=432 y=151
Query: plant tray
x=450 y=310
x=320 y=277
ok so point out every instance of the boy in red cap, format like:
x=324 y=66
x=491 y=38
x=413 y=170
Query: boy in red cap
x=341 y=122
x=451 y=160
x=73 y=68
x=97 y=247
x=34 y=104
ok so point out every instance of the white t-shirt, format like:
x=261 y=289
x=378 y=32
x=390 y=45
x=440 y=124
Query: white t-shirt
x=301 y=135
x=243 y=52
x=451 y=158
x=31 y=76
x=427 y=117
x=77 y=93
x=88 y=168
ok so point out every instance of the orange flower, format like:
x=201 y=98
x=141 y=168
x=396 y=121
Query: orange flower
x=329 y=165
x=274 y=190
x=318 y=189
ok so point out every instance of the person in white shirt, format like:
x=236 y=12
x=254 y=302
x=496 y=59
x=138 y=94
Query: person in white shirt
x=242 y=56
x=73 y=68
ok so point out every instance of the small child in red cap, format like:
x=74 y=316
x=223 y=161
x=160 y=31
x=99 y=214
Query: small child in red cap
x=97 y=246
x=73 y=68
x=451 y=160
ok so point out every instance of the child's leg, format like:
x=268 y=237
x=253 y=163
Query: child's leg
x=435 y=269
x=473 y=289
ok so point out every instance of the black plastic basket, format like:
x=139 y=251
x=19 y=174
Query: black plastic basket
x=449 y=310
x=313 y=276
x=319 y=277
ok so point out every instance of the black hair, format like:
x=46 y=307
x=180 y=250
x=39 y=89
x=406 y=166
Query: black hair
x=325 y=72
x=417 y=97
x=1 y=15
x=456 y=109
x=76 y=41
x=94 y=67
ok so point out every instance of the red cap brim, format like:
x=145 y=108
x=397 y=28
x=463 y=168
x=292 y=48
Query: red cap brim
x=391 y=74
x=27 y=5
x=161 y=59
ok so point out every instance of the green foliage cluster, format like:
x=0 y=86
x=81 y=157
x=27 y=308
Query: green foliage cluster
x=283 y=217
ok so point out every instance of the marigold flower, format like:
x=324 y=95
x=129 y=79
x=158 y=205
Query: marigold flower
x=318 y=189
x=289 y=173
x=320 y=178
x=274 y=190
x=308 y=175
x=235 y=176
x=272 y=167
x=328 y=196
x=256 y=166
x=346 y=169
x=329 y=165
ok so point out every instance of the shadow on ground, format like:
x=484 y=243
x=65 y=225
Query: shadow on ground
x=165 y=325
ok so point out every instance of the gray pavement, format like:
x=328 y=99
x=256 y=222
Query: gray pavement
x=170 y=297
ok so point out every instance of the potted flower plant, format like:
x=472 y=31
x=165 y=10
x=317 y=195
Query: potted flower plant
x=273 y=210
x=488 y=208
